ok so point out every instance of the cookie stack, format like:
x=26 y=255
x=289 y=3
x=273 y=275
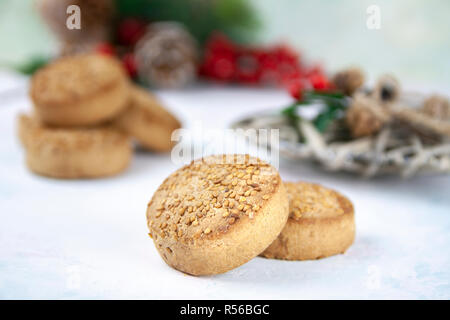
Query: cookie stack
x=220 y=212
x=86 y=112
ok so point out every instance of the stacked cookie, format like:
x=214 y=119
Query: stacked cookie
x=219 y=212
x=86 y=112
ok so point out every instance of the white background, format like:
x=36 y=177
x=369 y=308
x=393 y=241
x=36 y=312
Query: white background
x=88 y=239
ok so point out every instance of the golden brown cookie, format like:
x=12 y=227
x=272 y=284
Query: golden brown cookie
x=321 y=223
x=80 y=90
x=148 y=121
x=216 y=214
x=72 y=153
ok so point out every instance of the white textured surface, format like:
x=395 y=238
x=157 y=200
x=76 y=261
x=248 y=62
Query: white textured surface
x=88 y=239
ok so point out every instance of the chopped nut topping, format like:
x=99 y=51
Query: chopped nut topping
x=308 y=200
x=210 y=197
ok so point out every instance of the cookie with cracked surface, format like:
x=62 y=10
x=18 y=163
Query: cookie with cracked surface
x=71 y=153
x=148 y=121
x=217 y=213
x=321 y=223
x=80 y=90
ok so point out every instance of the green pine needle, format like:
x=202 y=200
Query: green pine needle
x=31 y=66
x=335 y=103
x=235 y=18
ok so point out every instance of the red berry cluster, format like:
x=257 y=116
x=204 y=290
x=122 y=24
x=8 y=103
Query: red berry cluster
x=226 y=61
x=128 y=33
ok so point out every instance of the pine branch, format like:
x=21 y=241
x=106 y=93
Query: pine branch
x=32 y=65
x=335 y=103
x=235 y=18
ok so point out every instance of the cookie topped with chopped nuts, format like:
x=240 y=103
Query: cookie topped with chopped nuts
x=309 y=200
x=73 y=153
x=81 y=90
x=217 y=213
x=147 y=121
x=321 y=223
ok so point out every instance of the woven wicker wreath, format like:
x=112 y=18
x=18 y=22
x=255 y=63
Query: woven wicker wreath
x=370 y=132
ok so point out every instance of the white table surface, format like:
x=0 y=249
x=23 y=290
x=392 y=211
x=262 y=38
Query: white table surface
x=88 y=239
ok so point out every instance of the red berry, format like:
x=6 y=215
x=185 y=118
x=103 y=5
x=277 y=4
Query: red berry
x=220 y=59
x=295 y=89
x=269 y=69
x=130 y=31
x=219 y=66
x=223 y=68
x=129 y=62
x=319 y=82
x=106 y=49
x=248 y=67
x=219 y=43
x=285 y=54
x=279 y=64
x=288 y=73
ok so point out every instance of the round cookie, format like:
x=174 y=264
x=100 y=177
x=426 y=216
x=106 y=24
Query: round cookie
x=72 y=153
x=218 y=213
x=321 y=223
x=147 y=121
x=80 y=90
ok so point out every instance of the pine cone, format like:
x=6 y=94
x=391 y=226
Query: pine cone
x=96 y=16
x=349 y=80
x=166 y=55
x=365 y=117
x=437 y=107
x=387 y=89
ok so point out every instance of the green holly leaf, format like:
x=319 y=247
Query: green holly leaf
x=334 y=104
x=31 y=66
x=235 y=18
x=324 y=119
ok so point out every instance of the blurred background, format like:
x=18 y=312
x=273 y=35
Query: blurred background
x=412 y=42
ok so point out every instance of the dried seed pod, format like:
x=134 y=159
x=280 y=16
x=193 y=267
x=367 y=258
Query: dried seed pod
x=422 y=123
x=387 y=89
x=349 y=80
x=365 y=116
x=437 y=107
x=166 y=55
